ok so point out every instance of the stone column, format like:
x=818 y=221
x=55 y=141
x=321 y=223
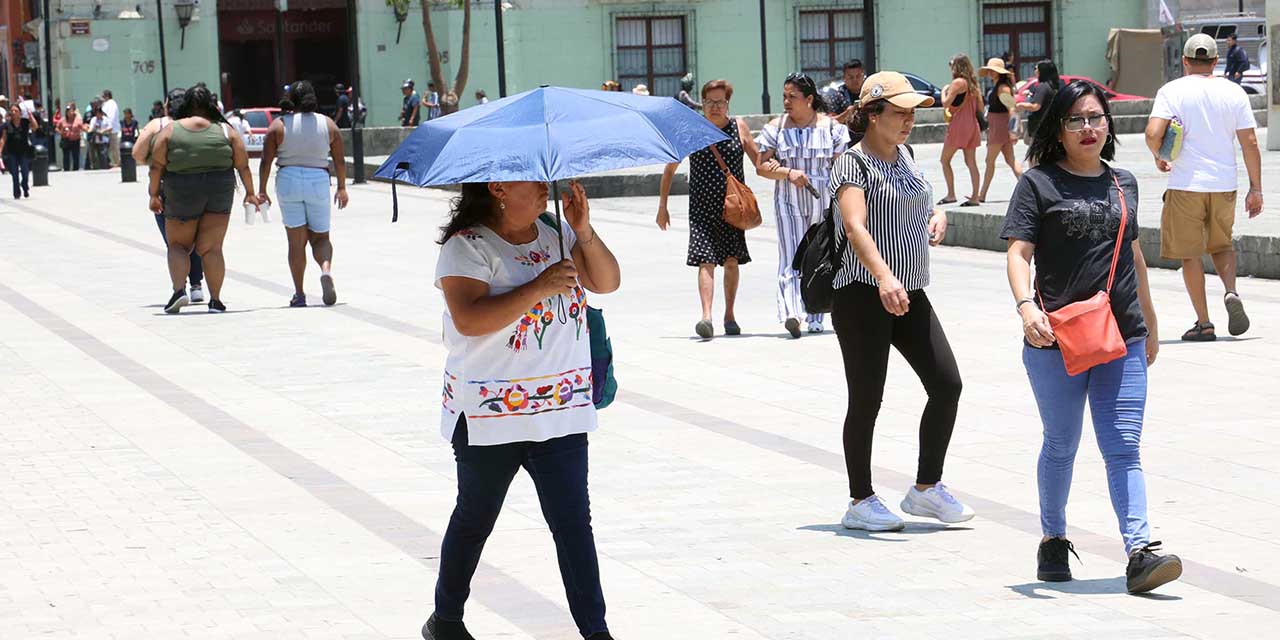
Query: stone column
x=1273 y=75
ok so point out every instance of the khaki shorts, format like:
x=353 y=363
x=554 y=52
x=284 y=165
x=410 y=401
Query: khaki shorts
x=1194 y=224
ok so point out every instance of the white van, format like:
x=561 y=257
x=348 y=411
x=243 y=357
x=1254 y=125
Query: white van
x=1251 y=32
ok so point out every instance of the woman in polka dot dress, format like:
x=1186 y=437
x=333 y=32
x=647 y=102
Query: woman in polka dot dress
x=712 y=241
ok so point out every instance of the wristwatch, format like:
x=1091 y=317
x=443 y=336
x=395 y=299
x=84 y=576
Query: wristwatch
x=1021 y=302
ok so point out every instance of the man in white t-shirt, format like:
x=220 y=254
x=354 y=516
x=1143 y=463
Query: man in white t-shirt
x=112 y=111
x=1200 y=204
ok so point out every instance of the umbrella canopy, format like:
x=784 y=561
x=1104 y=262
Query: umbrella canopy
x=549 y=134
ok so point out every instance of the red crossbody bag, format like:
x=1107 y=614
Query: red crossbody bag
x=1087 y=332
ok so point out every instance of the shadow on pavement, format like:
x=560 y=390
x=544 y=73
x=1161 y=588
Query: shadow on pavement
x=912 y=529
x=1093 y=586
x=1165 y=343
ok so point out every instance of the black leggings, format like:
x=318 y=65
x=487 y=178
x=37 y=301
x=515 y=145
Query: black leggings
x=866 y=331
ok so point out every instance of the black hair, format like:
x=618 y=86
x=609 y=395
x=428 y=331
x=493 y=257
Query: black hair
x=854 y=64
x=1232 y=36
x=473 y=207
x=1046 y=147
x=198 y=102
x=1003 y=79
x=1047 y=71
x=106 y=93
x=301 y=97
x=862 y=115
x=174 y=101
x=808 y=89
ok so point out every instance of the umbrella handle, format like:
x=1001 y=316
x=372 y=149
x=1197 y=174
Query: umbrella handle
x=555 y=195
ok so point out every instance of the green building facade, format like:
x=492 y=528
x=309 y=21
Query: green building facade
x=578 y=43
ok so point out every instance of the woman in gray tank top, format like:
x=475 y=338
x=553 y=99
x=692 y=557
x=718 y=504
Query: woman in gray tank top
x=302 y=142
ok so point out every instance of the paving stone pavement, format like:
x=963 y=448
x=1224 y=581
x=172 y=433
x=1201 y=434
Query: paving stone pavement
x=277 y=473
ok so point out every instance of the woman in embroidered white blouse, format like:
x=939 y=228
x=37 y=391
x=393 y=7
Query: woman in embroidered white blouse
x=517 y=382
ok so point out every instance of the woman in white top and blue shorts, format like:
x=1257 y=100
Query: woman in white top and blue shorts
x=518 y=383
x=302 y=142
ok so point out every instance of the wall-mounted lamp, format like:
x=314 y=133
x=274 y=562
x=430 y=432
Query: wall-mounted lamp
x=402 y=14
x=185 y=9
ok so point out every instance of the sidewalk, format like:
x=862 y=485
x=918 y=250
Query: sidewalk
x=276 y=473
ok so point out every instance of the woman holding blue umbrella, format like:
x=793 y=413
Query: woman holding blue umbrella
x=518 y=382
x=797 y=150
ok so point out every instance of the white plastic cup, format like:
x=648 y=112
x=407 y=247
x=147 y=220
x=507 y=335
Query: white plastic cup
x=248 y=213
x=265 y=209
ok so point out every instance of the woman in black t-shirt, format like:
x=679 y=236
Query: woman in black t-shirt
x=1048 y=83
x=1066 y=214
x=15 y=147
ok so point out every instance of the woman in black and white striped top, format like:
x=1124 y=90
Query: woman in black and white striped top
x=888 y=217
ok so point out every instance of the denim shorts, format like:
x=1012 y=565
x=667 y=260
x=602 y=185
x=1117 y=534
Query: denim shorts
x=187 y=196
x=303 y=196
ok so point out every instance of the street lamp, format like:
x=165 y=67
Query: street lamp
x=185 y=9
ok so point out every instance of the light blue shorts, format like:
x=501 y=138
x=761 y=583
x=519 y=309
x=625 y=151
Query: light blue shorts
x=303 y=196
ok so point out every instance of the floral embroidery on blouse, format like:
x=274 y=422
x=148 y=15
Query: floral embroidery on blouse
x=535 y=257
x=531 y=396
x=470 y=234
x=542 y=316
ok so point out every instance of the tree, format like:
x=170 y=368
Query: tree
x=433 y=52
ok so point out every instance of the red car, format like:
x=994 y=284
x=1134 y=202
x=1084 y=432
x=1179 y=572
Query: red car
x=259 y=119
x=1029 y=87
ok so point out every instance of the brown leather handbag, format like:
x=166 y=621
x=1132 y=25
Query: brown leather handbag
x=1087 y=332
x=740 y=207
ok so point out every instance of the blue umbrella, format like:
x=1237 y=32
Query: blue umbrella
x=545 y=135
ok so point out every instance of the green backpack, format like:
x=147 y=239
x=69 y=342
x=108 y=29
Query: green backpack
x=605 y=386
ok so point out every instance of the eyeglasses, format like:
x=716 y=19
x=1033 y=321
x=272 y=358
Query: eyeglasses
x=715 y=103
x=1077 y=123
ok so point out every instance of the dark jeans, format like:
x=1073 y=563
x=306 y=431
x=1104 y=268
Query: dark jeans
x=19 y=167
x=71 y=155
x=866 y=331
x=197 y=265
x=559 y=471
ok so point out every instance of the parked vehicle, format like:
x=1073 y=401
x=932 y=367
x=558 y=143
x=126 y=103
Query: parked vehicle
x=1251 y=33
x=921 y=86
x=259 y=118
x=1026 y=88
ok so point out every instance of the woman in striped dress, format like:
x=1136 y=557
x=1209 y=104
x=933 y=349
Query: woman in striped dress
x=797 y=150
x=886 y=206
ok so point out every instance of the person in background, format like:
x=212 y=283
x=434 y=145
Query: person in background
x=712 y=241
x=962 y=97
x=640 y=89
x=99 y=129
x=4 y=109
x=1048 y=83
x=71 y=131
x=17 y=151
x=303 y=142
x=481 y=98
x=237 y=122
x=1000 y=103
x=432 y=101
x=128 y=127
x=56 y=135
x=797 y=151
x=841 y=99
x=111 y=110
x=686 y=85
x=411 y=106
x=1237 y=60
x=610 y=85
x=1200 y=204
x=342 y=112
x=218 y=101
x=157 y=110
x=198 y=156
x=518 y=384
x=142 y=154
x=1066 y=213
x=889 y=220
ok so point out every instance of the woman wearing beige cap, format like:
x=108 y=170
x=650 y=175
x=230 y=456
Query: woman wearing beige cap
x=963 y=100
x=886 y=206
x=1000 y=103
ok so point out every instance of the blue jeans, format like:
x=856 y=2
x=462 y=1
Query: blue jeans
x=19 y=167
x=1117 y=395
x=559 y=471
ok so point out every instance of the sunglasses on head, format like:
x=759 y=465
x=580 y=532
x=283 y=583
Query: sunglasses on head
x=800 y=80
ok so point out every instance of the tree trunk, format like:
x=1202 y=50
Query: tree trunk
x=433 y=53
x=464 y=62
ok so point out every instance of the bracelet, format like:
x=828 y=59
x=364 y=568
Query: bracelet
x=591 y=241
x=1022 y=302
x=1257 y=191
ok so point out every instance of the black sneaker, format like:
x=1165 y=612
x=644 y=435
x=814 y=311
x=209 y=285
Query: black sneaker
x=177 y=302
x=216 y=306
x=298 y=300
x=1147 y=570
x=436 y=629
x=1053 y=563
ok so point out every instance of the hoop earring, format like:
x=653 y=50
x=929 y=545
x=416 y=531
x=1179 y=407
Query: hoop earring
x=502 y=205
x=1110 y=138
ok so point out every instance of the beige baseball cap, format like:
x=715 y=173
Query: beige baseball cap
x=1201 y=46
x=894 y=87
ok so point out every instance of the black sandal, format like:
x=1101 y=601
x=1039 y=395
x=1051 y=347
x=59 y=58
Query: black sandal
x=1200 y=332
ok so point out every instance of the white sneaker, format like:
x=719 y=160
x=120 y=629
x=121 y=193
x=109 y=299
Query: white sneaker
x=197 y=294
x=936 y=502
x=871 y=515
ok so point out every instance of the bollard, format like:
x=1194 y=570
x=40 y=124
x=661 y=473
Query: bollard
x=40 y=167
x=128 y=166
